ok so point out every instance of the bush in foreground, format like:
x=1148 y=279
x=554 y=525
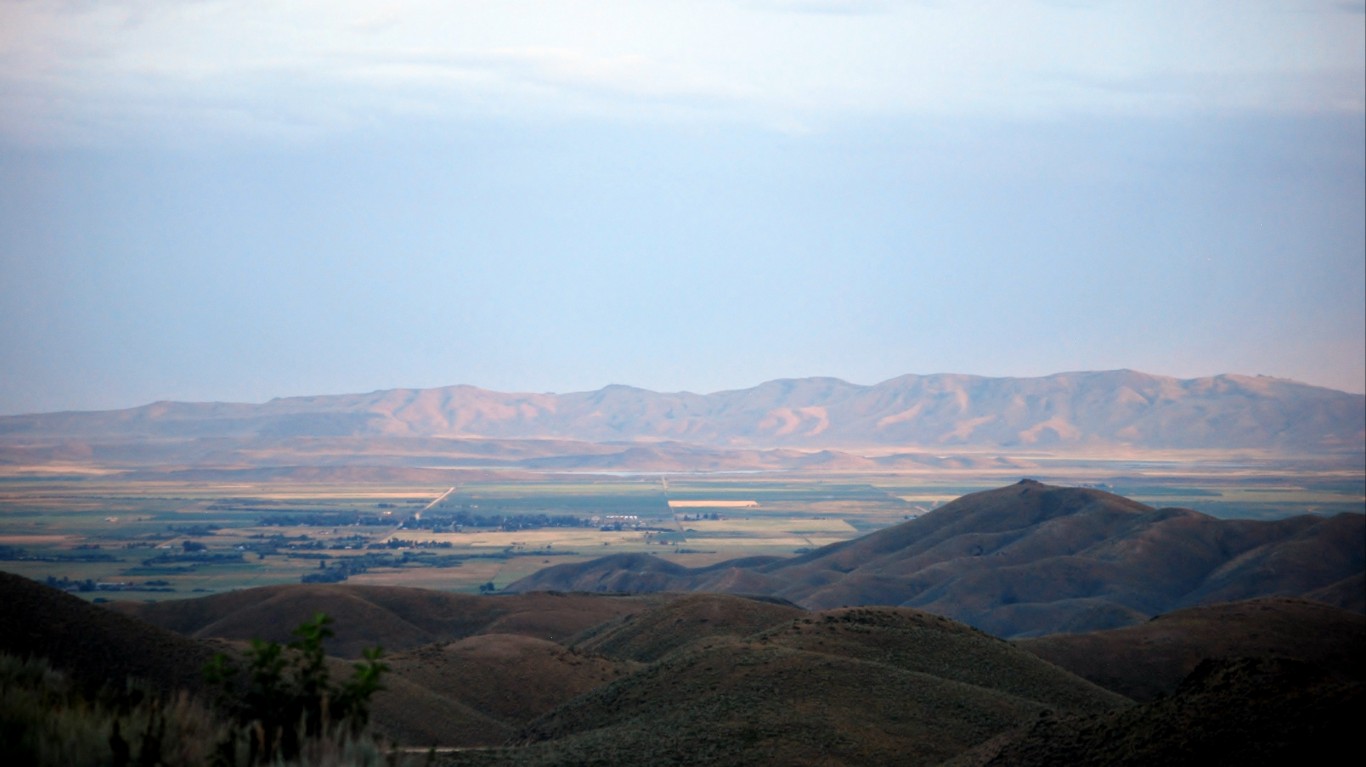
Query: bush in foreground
x=281 y=709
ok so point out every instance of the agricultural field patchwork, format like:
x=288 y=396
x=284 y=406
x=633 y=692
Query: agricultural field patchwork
x=103 y=537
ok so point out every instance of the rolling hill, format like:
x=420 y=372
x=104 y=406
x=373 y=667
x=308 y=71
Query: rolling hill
x=1261 y=711
x=689 y=678
x=395 y=617
x=1028 y=559
x=1149 y=660
x=862 y=686
x=94 y=645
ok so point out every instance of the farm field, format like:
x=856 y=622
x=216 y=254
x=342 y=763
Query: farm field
x=105 y=537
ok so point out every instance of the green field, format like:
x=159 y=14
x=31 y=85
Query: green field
x=110 y=538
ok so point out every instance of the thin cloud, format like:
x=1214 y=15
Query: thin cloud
x=66 y=69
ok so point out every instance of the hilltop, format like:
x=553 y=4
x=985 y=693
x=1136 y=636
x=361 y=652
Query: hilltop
x=396 y=617
x=1029 y=559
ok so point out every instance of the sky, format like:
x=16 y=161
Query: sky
x=234 y=201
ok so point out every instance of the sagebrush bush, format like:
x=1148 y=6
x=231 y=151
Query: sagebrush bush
x=281 y=709
x=46 y=719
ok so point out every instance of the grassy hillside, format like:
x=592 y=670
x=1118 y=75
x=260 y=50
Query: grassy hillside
x=395 y=617
x=714 y=678
x=1030 y=559
x=652 y=634
x=862 y=686
x=1147 y=661
x=1244 y=711
x=93 y=645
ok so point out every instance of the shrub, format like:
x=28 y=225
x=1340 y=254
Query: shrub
x=289 y=700
x=46 y=719
x=281 y=709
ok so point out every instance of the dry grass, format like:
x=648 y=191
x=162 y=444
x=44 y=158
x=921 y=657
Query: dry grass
x=47 y=720
x=1245 y=711
x=818 y=689
x=654 y=633
x=398 y=618
x=504 y=680
x=94 y=645
x=33 y=540
x=686 y=679
x=1149 y=660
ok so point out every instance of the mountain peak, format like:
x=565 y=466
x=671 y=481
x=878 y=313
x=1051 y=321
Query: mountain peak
x=1030 y=558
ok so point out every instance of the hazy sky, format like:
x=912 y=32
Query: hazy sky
x=240 y=200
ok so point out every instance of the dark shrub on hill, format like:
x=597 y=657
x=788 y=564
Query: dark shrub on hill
x=289 y=698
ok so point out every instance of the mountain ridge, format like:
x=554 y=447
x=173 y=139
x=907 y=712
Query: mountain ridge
x=1077 y=410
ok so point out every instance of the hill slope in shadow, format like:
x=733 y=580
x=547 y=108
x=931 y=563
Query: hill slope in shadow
x=714 y=678
x=94 y=645
x=1244 y=711
x=1029 y=559
x=1149 y=660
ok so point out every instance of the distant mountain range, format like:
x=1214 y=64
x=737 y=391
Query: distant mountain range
x=1120 y=409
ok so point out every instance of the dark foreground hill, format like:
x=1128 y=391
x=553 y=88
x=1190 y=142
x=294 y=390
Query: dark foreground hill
x=1030 y=559
x=1245 y=711
x=1148 y=661
x=92 y=644
x=721 y=679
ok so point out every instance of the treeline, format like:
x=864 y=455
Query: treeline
x=90 y=584
x=436 y=522
x=508 y=522
x=195 y=530
x=196 y=558
x=336 y=570
x=21 y=554
x=341 y=568
x=325 y=519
